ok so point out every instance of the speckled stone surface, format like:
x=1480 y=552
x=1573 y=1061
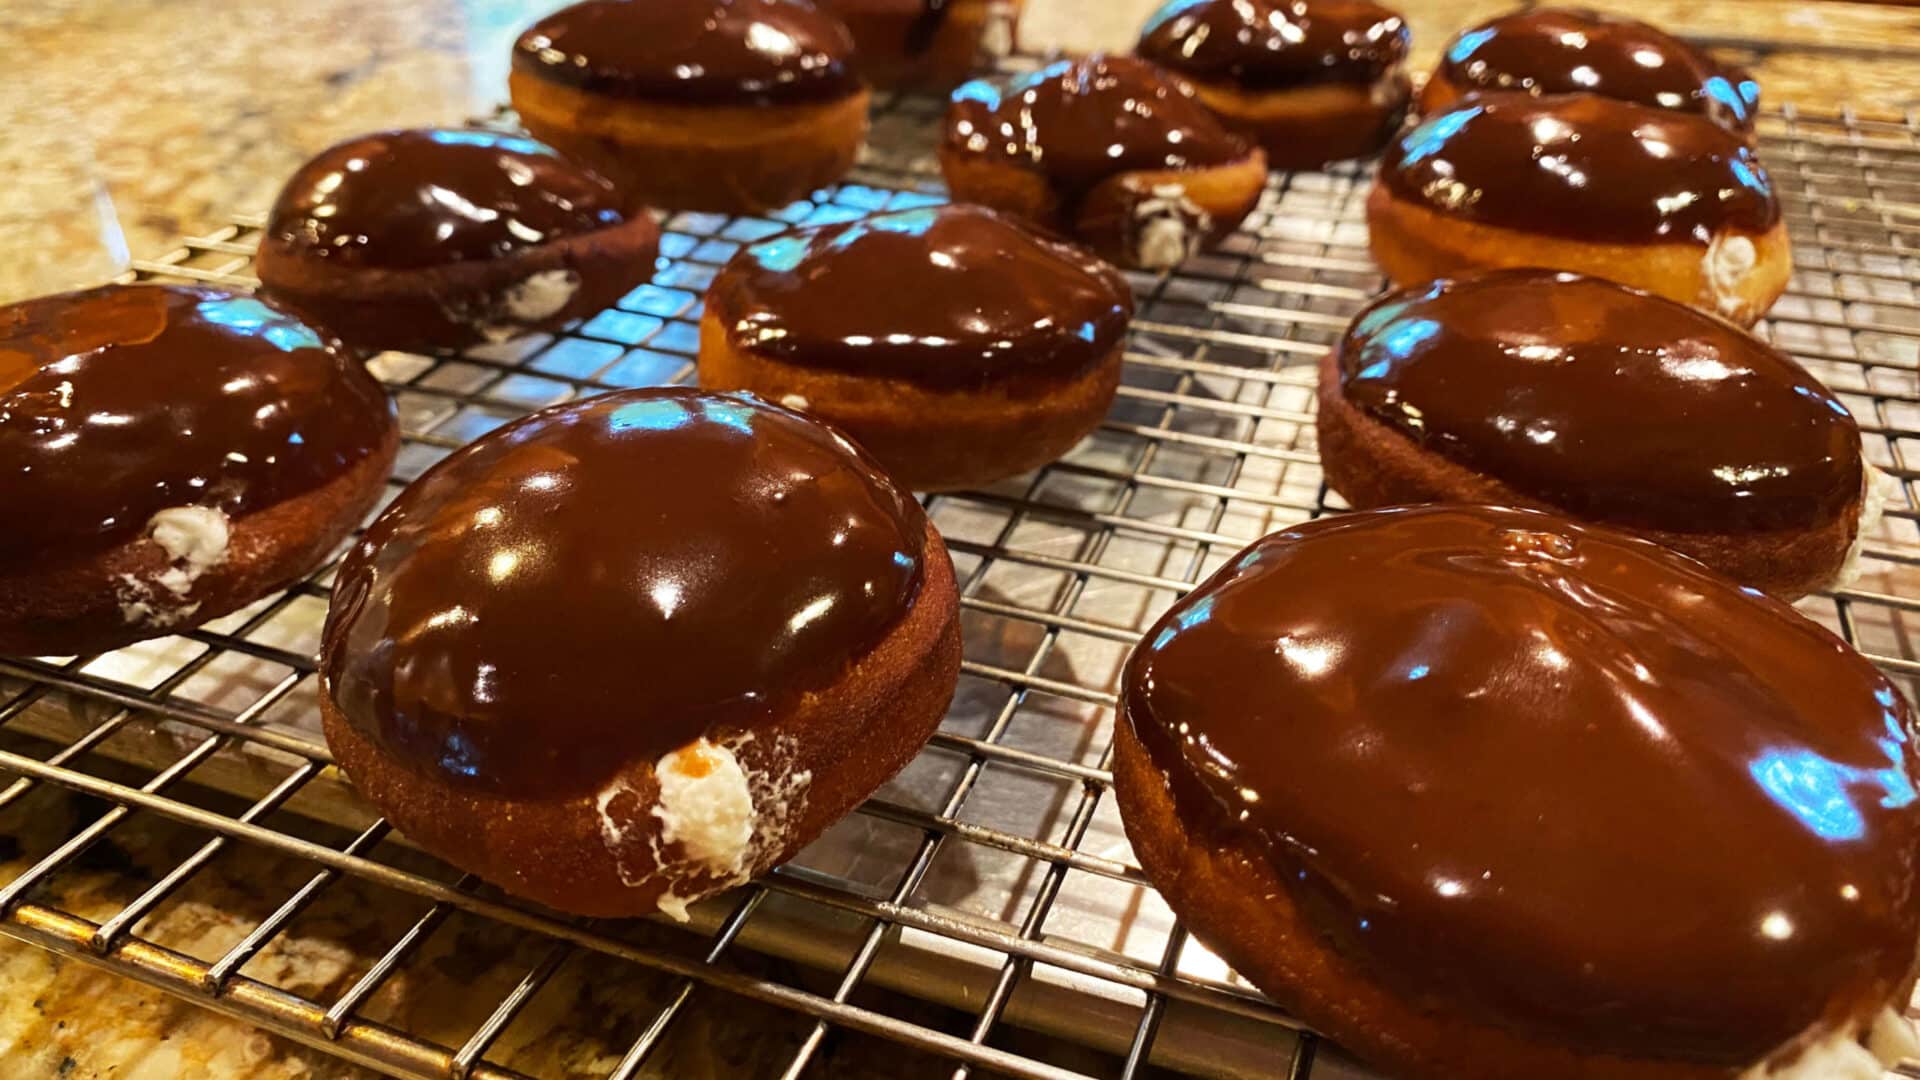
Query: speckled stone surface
x=126 y=123
x=129 y=122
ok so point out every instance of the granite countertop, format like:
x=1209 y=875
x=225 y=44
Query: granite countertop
x=128 y=123
x=131 y=122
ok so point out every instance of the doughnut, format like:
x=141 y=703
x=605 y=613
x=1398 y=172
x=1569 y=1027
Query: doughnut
x=1482 y=792
x=1663 y=201
x=956 y=345
x=1310 y=81
x=428 y=239
x=1576 y=50
x=1555 y=391
x=1108 y=149
x=733 y=106
x=924 y=44
x=170 y=454
x=627 y=652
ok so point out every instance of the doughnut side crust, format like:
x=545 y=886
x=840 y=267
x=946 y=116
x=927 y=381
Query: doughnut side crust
x=120 y=596
x=1438 y=94
x=722 y=158
x=1231 y=899
x=1372 y=465
x=1309 y=126
x=881 y=33
x=465 y=303
x=602 y=853
x=928 y=439
x=1737 y=278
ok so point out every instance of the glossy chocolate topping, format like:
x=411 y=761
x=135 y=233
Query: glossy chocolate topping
x=1574 y=50
x=1081 y=121
x=409 y=199
x=1582 y=166
x=714 y=52
x=1606 y=402
x=951 y=296
x=603 y=582
x=119 y=402
x=1275 y=44
x=1551 y=777
x=926 y=26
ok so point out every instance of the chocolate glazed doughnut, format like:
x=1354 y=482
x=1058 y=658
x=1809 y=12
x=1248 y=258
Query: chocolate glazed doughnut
x=1482 y=793
x=1530 y=388
x=1660 y=200
x=169 y=454
x=1311 y=81
x=1575 y=50
x=627 y=652
x=1108 y=149
x=737 y=106
x=955 y=344
x=925 y=44
x=439 y=238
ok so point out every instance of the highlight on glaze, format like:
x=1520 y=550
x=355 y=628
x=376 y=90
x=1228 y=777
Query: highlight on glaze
x=964 y=294
x=740 y=52
x=1606 y=402
x=418 y=198
x=1583 y=167
x=122 y=402
x=1549 y=777
x=1576 y=50
x=738 y=553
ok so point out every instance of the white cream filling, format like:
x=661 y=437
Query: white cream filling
x=1168 y=227
x=706 y=805
x=541 y=295
x=196 y=540
x=1848 y=1055
x=1876 y=488
x=726 y=819
x=529 y=300
x=1729 y=259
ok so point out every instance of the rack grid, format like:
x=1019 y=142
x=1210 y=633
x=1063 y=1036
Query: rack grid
x=988 y=892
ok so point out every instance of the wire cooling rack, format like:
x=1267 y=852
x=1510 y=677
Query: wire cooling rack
x=982 y=914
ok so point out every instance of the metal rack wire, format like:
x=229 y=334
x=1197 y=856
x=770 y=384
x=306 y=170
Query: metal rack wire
x=991 y=879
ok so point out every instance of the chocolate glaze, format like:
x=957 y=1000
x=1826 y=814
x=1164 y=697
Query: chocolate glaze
x=1275 y=44
x=1574 y=50
x=1082 y=121
x=410 y=199
x=603 y=582
x=119 y=402
x=1582 y=166
x=951 y=297
x=1551 y=777
x=1606 y=402
x=926 y=26
x=711 y=52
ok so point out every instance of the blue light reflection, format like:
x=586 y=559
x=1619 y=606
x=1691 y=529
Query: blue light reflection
x=491 y=140
x=1466 y=43
x=1431 y=137
x=729 y=414
x=1815 y=789
x=1167 y=12
x=1200 y=611
x=782 y=254
x=1737 y=101
x=653 y=414
x=248 y=315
